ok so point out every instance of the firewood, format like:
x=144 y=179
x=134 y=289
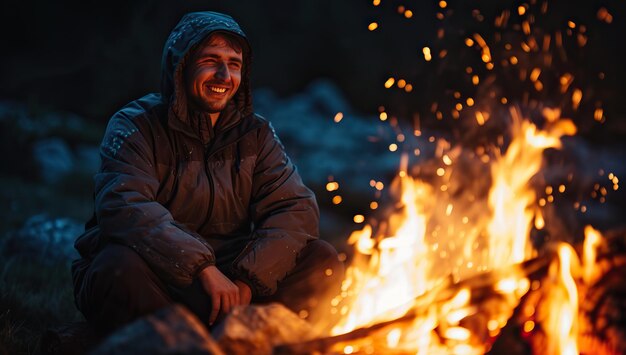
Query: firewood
x=482 y=284
x=605 y=310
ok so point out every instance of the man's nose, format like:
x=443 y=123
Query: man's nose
x=222 y=72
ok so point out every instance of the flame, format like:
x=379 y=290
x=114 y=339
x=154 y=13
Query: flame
x=395 y=272
x=422 y=263
x=410 y=258
x=559 y=314
x=510 y=197
x=592 y=241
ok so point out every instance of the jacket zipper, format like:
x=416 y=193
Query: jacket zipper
x=211 y=185
x=208 y=155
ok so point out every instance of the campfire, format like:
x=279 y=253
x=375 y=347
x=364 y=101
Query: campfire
x=417 y=287
x=447 y=271
x=434 y=243
x=462 y=262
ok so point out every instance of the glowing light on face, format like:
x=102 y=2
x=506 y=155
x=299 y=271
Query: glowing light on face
x=213 y=74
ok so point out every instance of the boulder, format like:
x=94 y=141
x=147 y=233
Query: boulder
x=257 y=329
x=47 y=239
x=172 y=330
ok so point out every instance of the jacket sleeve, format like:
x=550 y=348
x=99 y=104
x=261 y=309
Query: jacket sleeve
x=285 y=216
x=127 y=210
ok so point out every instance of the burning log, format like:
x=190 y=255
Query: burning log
x=482 y=287
x=602 y=328
x=603 y=310
x=322 y=345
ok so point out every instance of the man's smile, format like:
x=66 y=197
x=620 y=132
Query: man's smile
x=216 y=89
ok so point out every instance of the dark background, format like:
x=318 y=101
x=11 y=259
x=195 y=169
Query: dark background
x=90 y=57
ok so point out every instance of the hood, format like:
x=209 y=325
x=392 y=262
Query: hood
x=189 y=32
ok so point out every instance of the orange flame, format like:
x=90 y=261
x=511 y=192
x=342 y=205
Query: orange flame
x=395 y=272
x=408 y=258
x=592 y=241
x=510 y=198
x=559 y=314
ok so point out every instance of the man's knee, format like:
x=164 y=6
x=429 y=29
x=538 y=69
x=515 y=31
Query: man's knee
x=119 y=265
x=116 y=267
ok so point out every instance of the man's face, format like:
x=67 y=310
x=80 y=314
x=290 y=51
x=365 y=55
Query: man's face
x=213 y=74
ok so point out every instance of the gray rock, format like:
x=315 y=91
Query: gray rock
x=33 y=124
x=172 y=330
x=257 y=329
x=354 y=150
x=53 y=158
x=46 y=238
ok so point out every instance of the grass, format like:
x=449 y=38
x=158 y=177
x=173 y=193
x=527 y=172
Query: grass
x=33 y=297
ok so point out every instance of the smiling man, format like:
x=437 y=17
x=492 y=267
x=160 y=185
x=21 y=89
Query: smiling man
x=213 y=75
x=196 y=201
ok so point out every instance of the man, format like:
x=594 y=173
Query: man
x=196 y=201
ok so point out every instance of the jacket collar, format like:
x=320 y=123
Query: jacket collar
x=228 y=129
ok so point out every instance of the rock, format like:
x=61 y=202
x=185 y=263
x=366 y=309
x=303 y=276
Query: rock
x=354 y=150
x=53 y=158
x=47 y=239
x=172 y=330
x=257 y=329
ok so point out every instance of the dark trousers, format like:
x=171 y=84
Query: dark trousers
x=117 y=286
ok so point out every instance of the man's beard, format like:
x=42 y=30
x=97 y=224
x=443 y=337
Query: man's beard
x=211 y=106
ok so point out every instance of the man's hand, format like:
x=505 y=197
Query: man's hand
x=245 y=294
x=224 y=293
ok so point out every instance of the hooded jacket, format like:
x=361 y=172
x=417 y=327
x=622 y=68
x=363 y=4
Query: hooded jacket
x=185 y=195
